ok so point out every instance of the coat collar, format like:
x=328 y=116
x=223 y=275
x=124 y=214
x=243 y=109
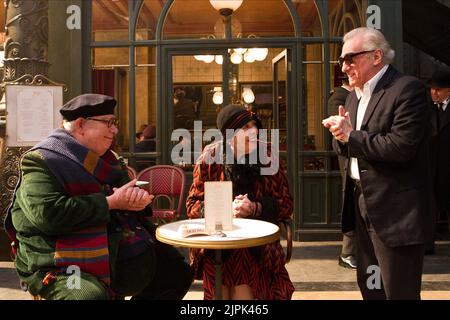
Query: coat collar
x=377 y=93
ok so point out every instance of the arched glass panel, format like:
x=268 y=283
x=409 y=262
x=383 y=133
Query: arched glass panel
x=191 y=19
x=345 y=15
x=148 y=19
x=268 y=18
x=310 y=22
x=110 y=20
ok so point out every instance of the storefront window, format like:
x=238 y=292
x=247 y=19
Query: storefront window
x=184 y=21
x=110 y=76
x=313 y=65
x=346 y=15
x=254 y=18
x=148 y=19
x=268 y=18
x=145 y=101
x=310 y=22
x=110 y=20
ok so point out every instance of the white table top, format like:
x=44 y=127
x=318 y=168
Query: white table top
x=245 y=233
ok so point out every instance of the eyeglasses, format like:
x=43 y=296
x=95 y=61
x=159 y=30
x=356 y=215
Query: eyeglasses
x=348 y=58
x=109 y=123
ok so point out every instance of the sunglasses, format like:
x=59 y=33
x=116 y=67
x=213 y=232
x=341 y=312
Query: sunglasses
x=111 y=122
x=348 y=58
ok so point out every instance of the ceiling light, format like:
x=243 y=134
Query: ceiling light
x=226 y=7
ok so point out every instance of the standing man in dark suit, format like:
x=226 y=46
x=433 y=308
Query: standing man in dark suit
x=347 y=258
x=440 y=147
x=384 y=132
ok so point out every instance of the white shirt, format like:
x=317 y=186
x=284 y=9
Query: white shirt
x=364 y=96
x=445 y=103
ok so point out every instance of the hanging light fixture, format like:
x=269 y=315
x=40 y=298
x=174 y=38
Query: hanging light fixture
x=218 y=95
x=249 y=57
x=236 y=57
x=260 y=53
x=219 y=59
x=247 y=95
x=208 y=58
x=226 y=7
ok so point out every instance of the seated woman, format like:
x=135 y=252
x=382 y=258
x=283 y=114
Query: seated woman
x=249 y=273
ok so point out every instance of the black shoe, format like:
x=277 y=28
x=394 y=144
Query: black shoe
x=348 y=262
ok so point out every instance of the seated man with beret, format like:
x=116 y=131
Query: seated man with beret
x=79 y=226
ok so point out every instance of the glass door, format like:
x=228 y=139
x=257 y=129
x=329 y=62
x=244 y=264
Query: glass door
x=280 y=101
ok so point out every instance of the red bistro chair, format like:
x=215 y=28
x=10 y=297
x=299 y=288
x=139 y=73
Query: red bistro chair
x=131 y=172
x=167 y=182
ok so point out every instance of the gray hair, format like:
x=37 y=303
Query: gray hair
x=373 y=40
x=68 y=125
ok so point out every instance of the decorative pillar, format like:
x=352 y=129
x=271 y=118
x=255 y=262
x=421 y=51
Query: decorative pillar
x=26 y=63
x=26 y=43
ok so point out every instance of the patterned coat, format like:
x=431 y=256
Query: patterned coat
x=261 y=268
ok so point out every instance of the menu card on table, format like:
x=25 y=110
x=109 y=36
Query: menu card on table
x=218 y=206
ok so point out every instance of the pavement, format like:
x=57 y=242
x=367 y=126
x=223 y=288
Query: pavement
x=313 y=269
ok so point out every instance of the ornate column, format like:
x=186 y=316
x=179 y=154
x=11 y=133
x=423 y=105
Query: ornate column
x=25 y=62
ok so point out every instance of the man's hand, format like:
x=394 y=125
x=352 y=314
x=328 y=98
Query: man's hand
x=129 y=197
x=243 y=207
x=340 y=126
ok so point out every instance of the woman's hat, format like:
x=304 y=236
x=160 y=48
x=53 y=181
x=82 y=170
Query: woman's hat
x=88 y=105
x=235 y=116
x=440 y=78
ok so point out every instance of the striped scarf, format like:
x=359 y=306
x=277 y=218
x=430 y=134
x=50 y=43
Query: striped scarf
x=83 y=172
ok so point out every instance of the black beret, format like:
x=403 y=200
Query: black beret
x=235 y=116
x=88 y=105
x=440 y=78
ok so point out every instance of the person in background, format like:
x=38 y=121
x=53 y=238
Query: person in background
x=440 y=151
x=347 y=258
x=184 y=110
x=75 y=208
x=250 y=273
x=140 y=131
x=383 y=131
x=147 y=140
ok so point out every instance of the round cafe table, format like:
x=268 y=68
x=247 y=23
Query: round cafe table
x=245 y=233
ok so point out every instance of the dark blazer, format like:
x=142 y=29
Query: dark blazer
x=392 y=150
x=440 y=156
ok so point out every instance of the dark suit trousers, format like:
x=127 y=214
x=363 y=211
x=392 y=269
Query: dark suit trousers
x=400 y=267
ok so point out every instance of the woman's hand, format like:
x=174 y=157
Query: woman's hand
x=243 y=207
x=129 y=197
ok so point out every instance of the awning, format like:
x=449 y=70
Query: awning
x=426 y=26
